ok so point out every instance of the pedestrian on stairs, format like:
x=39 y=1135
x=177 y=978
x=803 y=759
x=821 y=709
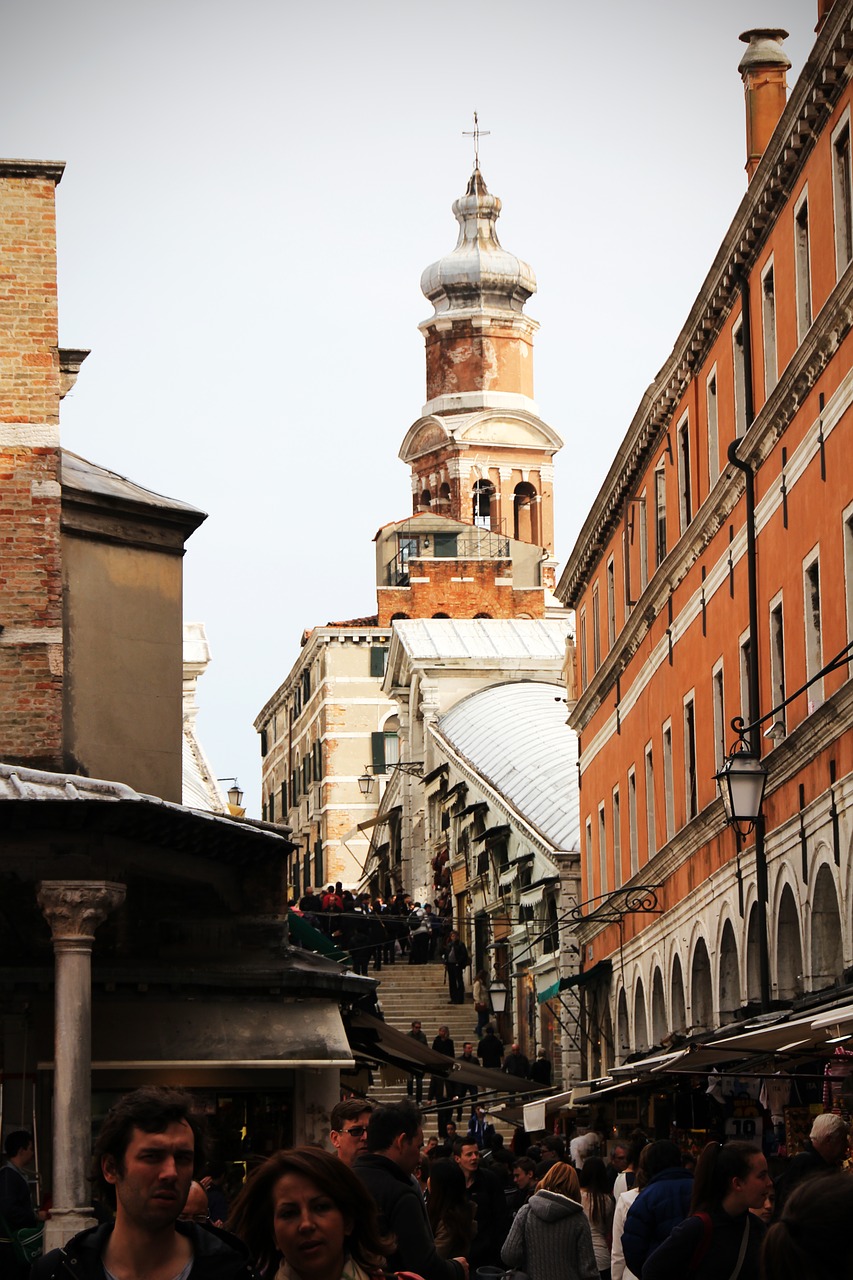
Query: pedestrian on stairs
x=456 y=961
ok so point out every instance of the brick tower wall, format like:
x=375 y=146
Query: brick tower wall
x=30 y=563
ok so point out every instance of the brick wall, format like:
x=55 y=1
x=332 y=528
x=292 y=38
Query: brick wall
x=30 y=563
x=460 y=589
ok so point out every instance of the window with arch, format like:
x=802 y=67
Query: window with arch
x=525 y=513
x=426 y=500
x=441 y=615
x=482 y=495
x=444 y=494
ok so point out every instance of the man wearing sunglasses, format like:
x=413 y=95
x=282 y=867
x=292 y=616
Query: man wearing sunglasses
x=349 y=1128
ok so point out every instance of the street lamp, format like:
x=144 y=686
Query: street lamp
x=235 y=793
x=498 y=994
x=413 y=768
x=741 y=780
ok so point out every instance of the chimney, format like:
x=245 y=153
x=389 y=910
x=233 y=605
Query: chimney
x=763 y=68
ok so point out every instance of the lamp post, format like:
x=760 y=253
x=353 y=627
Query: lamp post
x=412 y=768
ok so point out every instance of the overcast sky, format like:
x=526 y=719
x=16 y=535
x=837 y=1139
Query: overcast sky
x=252 y=191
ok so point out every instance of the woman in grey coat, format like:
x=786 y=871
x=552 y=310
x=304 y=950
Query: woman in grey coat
x=550 y=1237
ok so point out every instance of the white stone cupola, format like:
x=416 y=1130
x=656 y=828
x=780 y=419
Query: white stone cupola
x=480 y=452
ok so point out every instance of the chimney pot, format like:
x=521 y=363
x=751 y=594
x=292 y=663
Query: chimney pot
x=763 y=69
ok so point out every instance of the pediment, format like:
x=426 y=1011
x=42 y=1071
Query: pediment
x=508 y=431
x=426 y=434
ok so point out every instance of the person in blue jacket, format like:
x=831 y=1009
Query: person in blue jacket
x=660 y=1206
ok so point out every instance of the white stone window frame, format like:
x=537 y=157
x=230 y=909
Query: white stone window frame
x=803 y=265
x=713 y=427
x=842 y=188
x=769 y=335
x=813 y=630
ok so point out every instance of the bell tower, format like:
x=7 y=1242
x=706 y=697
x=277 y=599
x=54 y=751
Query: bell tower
x=480 y=453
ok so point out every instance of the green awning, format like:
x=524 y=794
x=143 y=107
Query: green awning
x=312 y=939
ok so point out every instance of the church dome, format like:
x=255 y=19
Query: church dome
x=478 y=275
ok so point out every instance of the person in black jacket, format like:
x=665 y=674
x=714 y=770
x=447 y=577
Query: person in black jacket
x=16 y=1204
x=456 y=962
x=825 y=1149
x=487 y=1193
x=144 y=1161
x=394 y=1139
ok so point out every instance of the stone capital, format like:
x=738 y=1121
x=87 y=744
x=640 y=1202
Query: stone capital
x=75 y=908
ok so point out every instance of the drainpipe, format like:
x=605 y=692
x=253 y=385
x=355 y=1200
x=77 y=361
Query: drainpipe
x=752 y=673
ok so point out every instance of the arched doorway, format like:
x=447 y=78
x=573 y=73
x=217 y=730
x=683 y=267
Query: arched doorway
x=482 y=496
x=525 y=513
x=623 y=1033
x=789 y=948
x=701 y=998
x=678 y=1013
x=729 y=976
x=753 y=963
x=659 y=1027
x=641 y=1025
x=826 y=932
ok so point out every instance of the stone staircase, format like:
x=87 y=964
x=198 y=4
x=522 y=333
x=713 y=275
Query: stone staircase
x=408 y=992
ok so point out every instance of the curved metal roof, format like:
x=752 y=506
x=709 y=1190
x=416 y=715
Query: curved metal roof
x=516 y=737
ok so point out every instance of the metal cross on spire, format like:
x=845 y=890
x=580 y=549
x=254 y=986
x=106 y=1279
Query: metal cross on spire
x=476 y=133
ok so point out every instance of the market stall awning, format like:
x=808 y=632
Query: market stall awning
x=376 y=1039
x=150 y=1035
x=597 y=973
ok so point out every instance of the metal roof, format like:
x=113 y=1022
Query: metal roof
x=484 y=638
x=516 y=737
x=87 y=477
x=29 y=800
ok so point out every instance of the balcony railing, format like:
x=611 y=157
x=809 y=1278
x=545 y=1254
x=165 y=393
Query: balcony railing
x=479 y=544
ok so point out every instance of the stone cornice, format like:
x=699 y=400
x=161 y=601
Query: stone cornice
x=814 y=96
x=53 y=169
x=809 y=361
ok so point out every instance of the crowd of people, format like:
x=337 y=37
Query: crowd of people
x=399 y=930
x=381 y=1204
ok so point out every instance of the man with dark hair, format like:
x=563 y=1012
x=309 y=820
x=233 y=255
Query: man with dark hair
x=441 y=1090
x=394 y=1139
x=524 y=1177
x=485 y=1189
x=490 y=1051
x=349 y=1128
x=144 y=1161
x=16 y=1203
x=415 y=1082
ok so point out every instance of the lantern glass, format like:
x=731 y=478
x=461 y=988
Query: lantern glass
x=235 y=796
x=365 y=784
x=742 y=780
x=497 y=995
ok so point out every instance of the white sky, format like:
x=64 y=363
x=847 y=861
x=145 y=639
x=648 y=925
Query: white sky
x=252 y=191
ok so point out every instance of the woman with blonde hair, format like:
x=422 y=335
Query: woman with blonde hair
x=550 y=1237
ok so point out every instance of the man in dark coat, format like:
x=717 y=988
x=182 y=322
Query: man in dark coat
x=16 y=1203
x=516 y=1063
x=394 y=1139
x=440 y=1088
x=456 y=962
x=415 y=1082
x=144 y=1161
x=490 y=1051
x=493 y=1216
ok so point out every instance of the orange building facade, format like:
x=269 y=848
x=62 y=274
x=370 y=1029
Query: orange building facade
x=659 y=580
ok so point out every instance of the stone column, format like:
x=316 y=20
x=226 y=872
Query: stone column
x=73 y=909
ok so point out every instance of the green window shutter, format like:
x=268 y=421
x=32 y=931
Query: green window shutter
x=377 y=752
x=283 y=799
x=264 y=747
x=319 y=873
x=272 y=806
x=378 y=660
x=318 y=761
